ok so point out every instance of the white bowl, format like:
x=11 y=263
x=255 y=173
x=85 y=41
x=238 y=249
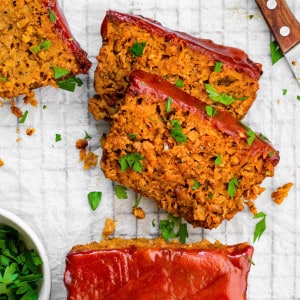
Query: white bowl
x=32 y=242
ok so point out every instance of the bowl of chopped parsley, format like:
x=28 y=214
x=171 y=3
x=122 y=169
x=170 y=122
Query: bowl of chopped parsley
x=24 y=267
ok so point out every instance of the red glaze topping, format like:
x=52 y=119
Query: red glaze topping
x=146 y=83
x=234 y=57
x=152 y=273
x=61 y=25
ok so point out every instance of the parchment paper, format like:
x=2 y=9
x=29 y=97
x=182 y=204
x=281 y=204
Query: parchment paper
x=43 y=182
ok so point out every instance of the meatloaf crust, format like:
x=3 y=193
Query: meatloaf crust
x=154 y=269
x=176 y=56
x=35 y=38
x=194 y=160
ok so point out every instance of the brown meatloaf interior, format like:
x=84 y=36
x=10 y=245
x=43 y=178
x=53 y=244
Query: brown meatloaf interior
x=164 y=145
x=176 y=56
x=35 y=38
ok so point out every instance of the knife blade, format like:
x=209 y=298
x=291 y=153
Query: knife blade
x=285 y=29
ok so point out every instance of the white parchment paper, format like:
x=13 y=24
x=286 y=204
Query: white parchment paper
x=43 y=182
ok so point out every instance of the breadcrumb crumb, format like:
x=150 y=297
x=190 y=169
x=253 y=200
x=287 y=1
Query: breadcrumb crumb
x=281 y=193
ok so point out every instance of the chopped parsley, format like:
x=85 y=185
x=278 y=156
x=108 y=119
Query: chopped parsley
x=210 y=111
x=133 y=161
x=70 y=83
x=3 y=79
x=20 y=267
x=284 y=92
x=94 y=199
x=132 y=136
x=260 y=226
x=251 y=137
x=168 y=105
x=176 y=132
x=179 y=83
x=220 y=98
x=232 y=185
x=45 y=45
x=298 y=98
x=218 y=66
x=172 y=227
x=44 y=106
x=276 y=53
x=218 y=160
x=52 y=16
x=60 y=72
x=137 y=48
x=251 y=17
x=121 y=192
x=24 y=117
x=87 y=136
x=57 y=137
x=196 y=185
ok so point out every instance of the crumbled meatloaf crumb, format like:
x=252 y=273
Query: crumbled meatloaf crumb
x=281 y=193
x=138 y=212
x=183 y=176
x=109 y=228
x=30 y=131
x=173 y=55
x=1 y=163
x=25 y=63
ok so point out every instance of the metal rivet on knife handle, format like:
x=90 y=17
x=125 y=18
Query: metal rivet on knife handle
x=271 y=4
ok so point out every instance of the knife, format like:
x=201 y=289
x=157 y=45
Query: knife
x=285 y=29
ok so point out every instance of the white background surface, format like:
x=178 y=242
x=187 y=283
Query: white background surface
x=43 y=182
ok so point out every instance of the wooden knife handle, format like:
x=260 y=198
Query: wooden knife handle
x=282 y=22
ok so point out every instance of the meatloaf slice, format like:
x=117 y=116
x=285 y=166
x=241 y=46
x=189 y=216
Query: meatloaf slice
x=197 y=65
x=154 y=269
x=193 y=159
x=36 y=47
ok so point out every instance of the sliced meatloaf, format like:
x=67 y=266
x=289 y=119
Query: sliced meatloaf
x=213 y=73
x=193 y=159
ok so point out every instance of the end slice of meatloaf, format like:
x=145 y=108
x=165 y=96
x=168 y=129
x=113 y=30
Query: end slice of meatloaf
x=144 y=269
x=193 y=159
x=36 y=47
x=200 y=67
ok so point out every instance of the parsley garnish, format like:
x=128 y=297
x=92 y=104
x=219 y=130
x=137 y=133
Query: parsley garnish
x=44 y=106
x=20 y=268
x=24 y=117
x=284 y=92
x=251 y=137
x=196 y=184
x=70 y=83
x=210 y=111
x=169 y=226
x=57 y=137
x=220 y=98
x=179 y=83
x=94 y=199
x=176 y=132
x=3 y=79
x=260 y=227
x=132 y=136
x=232 y=185
x=168 y=105
x=87 y=136
x=276 y=53
x=251 y=17
x=60 y=72
x=218 y=160
x=45 y=45
x=52 y=16
x=133 y=161
x=218 y=66
x=298 y=98
x=121 y=192
x=138 y=48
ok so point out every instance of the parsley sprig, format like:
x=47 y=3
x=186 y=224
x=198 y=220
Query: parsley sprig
x=220 y=98
x=137 y=48
x=131 y=161
x=260 y=226
x=176 y=132
x=20 y=268
x=172 y=227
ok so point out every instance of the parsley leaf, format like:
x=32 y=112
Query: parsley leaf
x=218 y=66
x=179 y=83
x=284 y=92
x=298 y=98
x=220 y=98
x=3 y=79
x=131 y=160
x=70 y=83
x=232 y=185
x=172 y=227
x=24 y=117
x=121 y=192
x=176 y=132
x=276 y=53
x=260 y=227
x=210 y=111
x=251 y=137
x=94 y=199
x=57 y=137
x=218 y=160
x=196 y=184
x=52 y=16
x=132 y=136
x=45 y=45
x=60 y=72
x=87 y=136
x=168 y=105
x=138 y=48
